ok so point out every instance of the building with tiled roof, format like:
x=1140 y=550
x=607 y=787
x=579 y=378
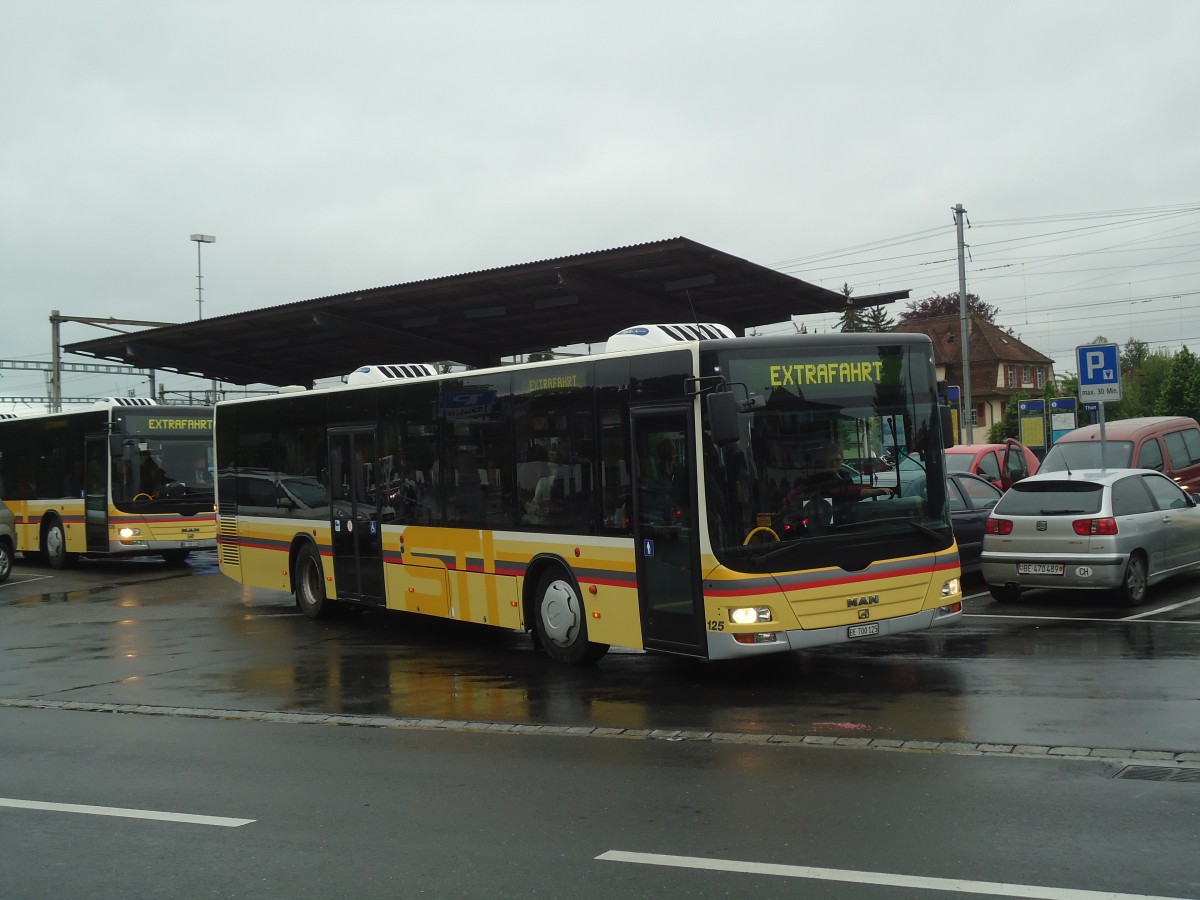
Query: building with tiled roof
x=1001 y=365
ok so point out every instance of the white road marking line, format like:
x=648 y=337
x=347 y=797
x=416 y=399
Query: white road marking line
x=24 y=579
x=1155 y=612
x=219 y=821
x=881 y=878
x=1080 y=618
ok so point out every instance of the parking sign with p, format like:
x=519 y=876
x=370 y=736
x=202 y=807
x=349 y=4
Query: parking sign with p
x=1099 y=372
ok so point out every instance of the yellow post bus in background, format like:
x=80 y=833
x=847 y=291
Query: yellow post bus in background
x=648 y=497
x=123 y=478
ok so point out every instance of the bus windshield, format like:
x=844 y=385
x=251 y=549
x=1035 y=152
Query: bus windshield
x=839 y=460
x=165 y=472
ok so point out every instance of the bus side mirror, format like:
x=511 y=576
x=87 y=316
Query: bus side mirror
x=947 y=417
x=722 y=417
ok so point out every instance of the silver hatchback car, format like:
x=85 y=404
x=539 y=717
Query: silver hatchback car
x=1118 y=529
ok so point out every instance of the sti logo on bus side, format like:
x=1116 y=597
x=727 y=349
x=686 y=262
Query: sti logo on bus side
x=872 y=600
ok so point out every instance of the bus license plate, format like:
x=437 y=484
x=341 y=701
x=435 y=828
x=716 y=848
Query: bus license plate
x=855 y=631
x=189 y=543
x=1040 y=568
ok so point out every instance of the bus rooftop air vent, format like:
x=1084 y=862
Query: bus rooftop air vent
x=369 y=374
x=124 y=401
x=641 y=337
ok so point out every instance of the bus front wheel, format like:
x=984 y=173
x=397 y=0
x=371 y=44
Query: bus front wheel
x=561 y=624
x=310 y=583
x=54 y=545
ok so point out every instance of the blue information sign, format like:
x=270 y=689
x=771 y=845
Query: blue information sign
x=1099 y=372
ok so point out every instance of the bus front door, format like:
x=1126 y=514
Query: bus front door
x=665 y=532
x=95 y=492
x=355 y=515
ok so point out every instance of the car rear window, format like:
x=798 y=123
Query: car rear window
x=959 y=462
x=1051 y=498
x=1086 y=455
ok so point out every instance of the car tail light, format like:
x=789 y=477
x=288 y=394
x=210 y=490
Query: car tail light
x=999 y=526
x=1095 y=526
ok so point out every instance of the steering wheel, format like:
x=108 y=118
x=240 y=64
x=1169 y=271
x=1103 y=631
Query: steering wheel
x=142 y=496
x=761 y=535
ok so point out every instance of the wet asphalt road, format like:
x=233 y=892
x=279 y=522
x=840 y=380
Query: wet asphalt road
x=1065 y=669
x=642 y=776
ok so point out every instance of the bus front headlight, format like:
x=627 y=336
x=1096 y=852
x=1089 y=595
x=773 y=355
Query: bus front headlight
x=952 y=587
x=126 y=533
x=749 y=615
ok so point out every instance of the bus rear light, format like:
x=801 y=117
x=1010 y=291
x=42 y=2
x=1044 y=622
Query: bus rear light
x=761 y=637
x=999 y=526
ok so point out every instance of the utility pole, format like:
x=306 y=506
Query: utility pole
x=964 y=321
x=56 y=363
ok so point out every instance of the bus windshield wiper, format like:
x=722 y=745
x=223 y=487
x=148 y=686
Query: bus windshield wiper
x=893 y=520
x=775 y=550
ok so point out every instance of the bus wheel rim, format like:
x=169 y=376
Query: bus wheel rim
x=560 y=613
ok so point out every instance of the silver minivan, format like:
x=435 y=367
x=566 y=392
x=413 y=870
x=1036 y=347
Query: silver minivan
x=1118 y=529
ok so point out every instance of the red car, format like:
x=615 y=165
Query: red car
x=1001 y=464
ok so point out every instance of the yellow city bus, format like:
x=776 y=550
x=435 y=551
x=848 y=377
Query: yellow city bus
x=633 y=498
x=123 y=478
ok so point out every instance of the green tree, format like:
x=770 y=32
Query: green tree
x=1140 y=388
x=1133 y=355
x=1010 y=425
x=877 y=319
x=852 y=317
x=1173 y=395
x=938 y=305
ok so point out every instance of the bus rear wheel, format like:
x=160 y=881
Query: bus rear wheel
x=310 y=583
x=561 y=623
x=54 y=545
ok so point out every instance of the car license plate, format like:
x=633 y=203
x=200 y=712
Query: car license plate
x=1040 y=568
x=862 y=630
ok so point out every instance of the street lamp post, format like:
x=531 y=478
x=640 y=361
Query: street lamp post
x=201 y=239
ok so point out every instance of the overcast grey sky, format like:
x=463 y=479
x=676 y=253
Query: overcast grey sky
x=331 y=146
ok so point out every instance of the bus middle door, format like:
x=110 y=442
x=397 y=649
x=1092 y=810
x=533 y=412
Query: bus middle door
x=666 y=539
x=355 y=515
x=95 y=492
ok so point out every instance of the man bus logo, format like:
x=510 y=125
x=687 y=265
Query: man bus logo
x=872 y=600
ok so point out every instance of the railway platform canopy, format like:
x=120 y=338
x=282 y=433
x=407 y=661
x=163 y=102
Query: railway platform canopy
x=478 y=318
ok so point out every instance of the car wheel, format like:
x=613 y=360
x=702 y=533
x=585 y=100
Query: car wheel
x=310 y=584
x=6 y=561
x=1005 y=593
x=561 y=623
x=1133 y=588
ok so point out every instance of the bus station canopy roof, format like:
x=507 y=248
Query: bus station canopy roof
x=479 y=317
